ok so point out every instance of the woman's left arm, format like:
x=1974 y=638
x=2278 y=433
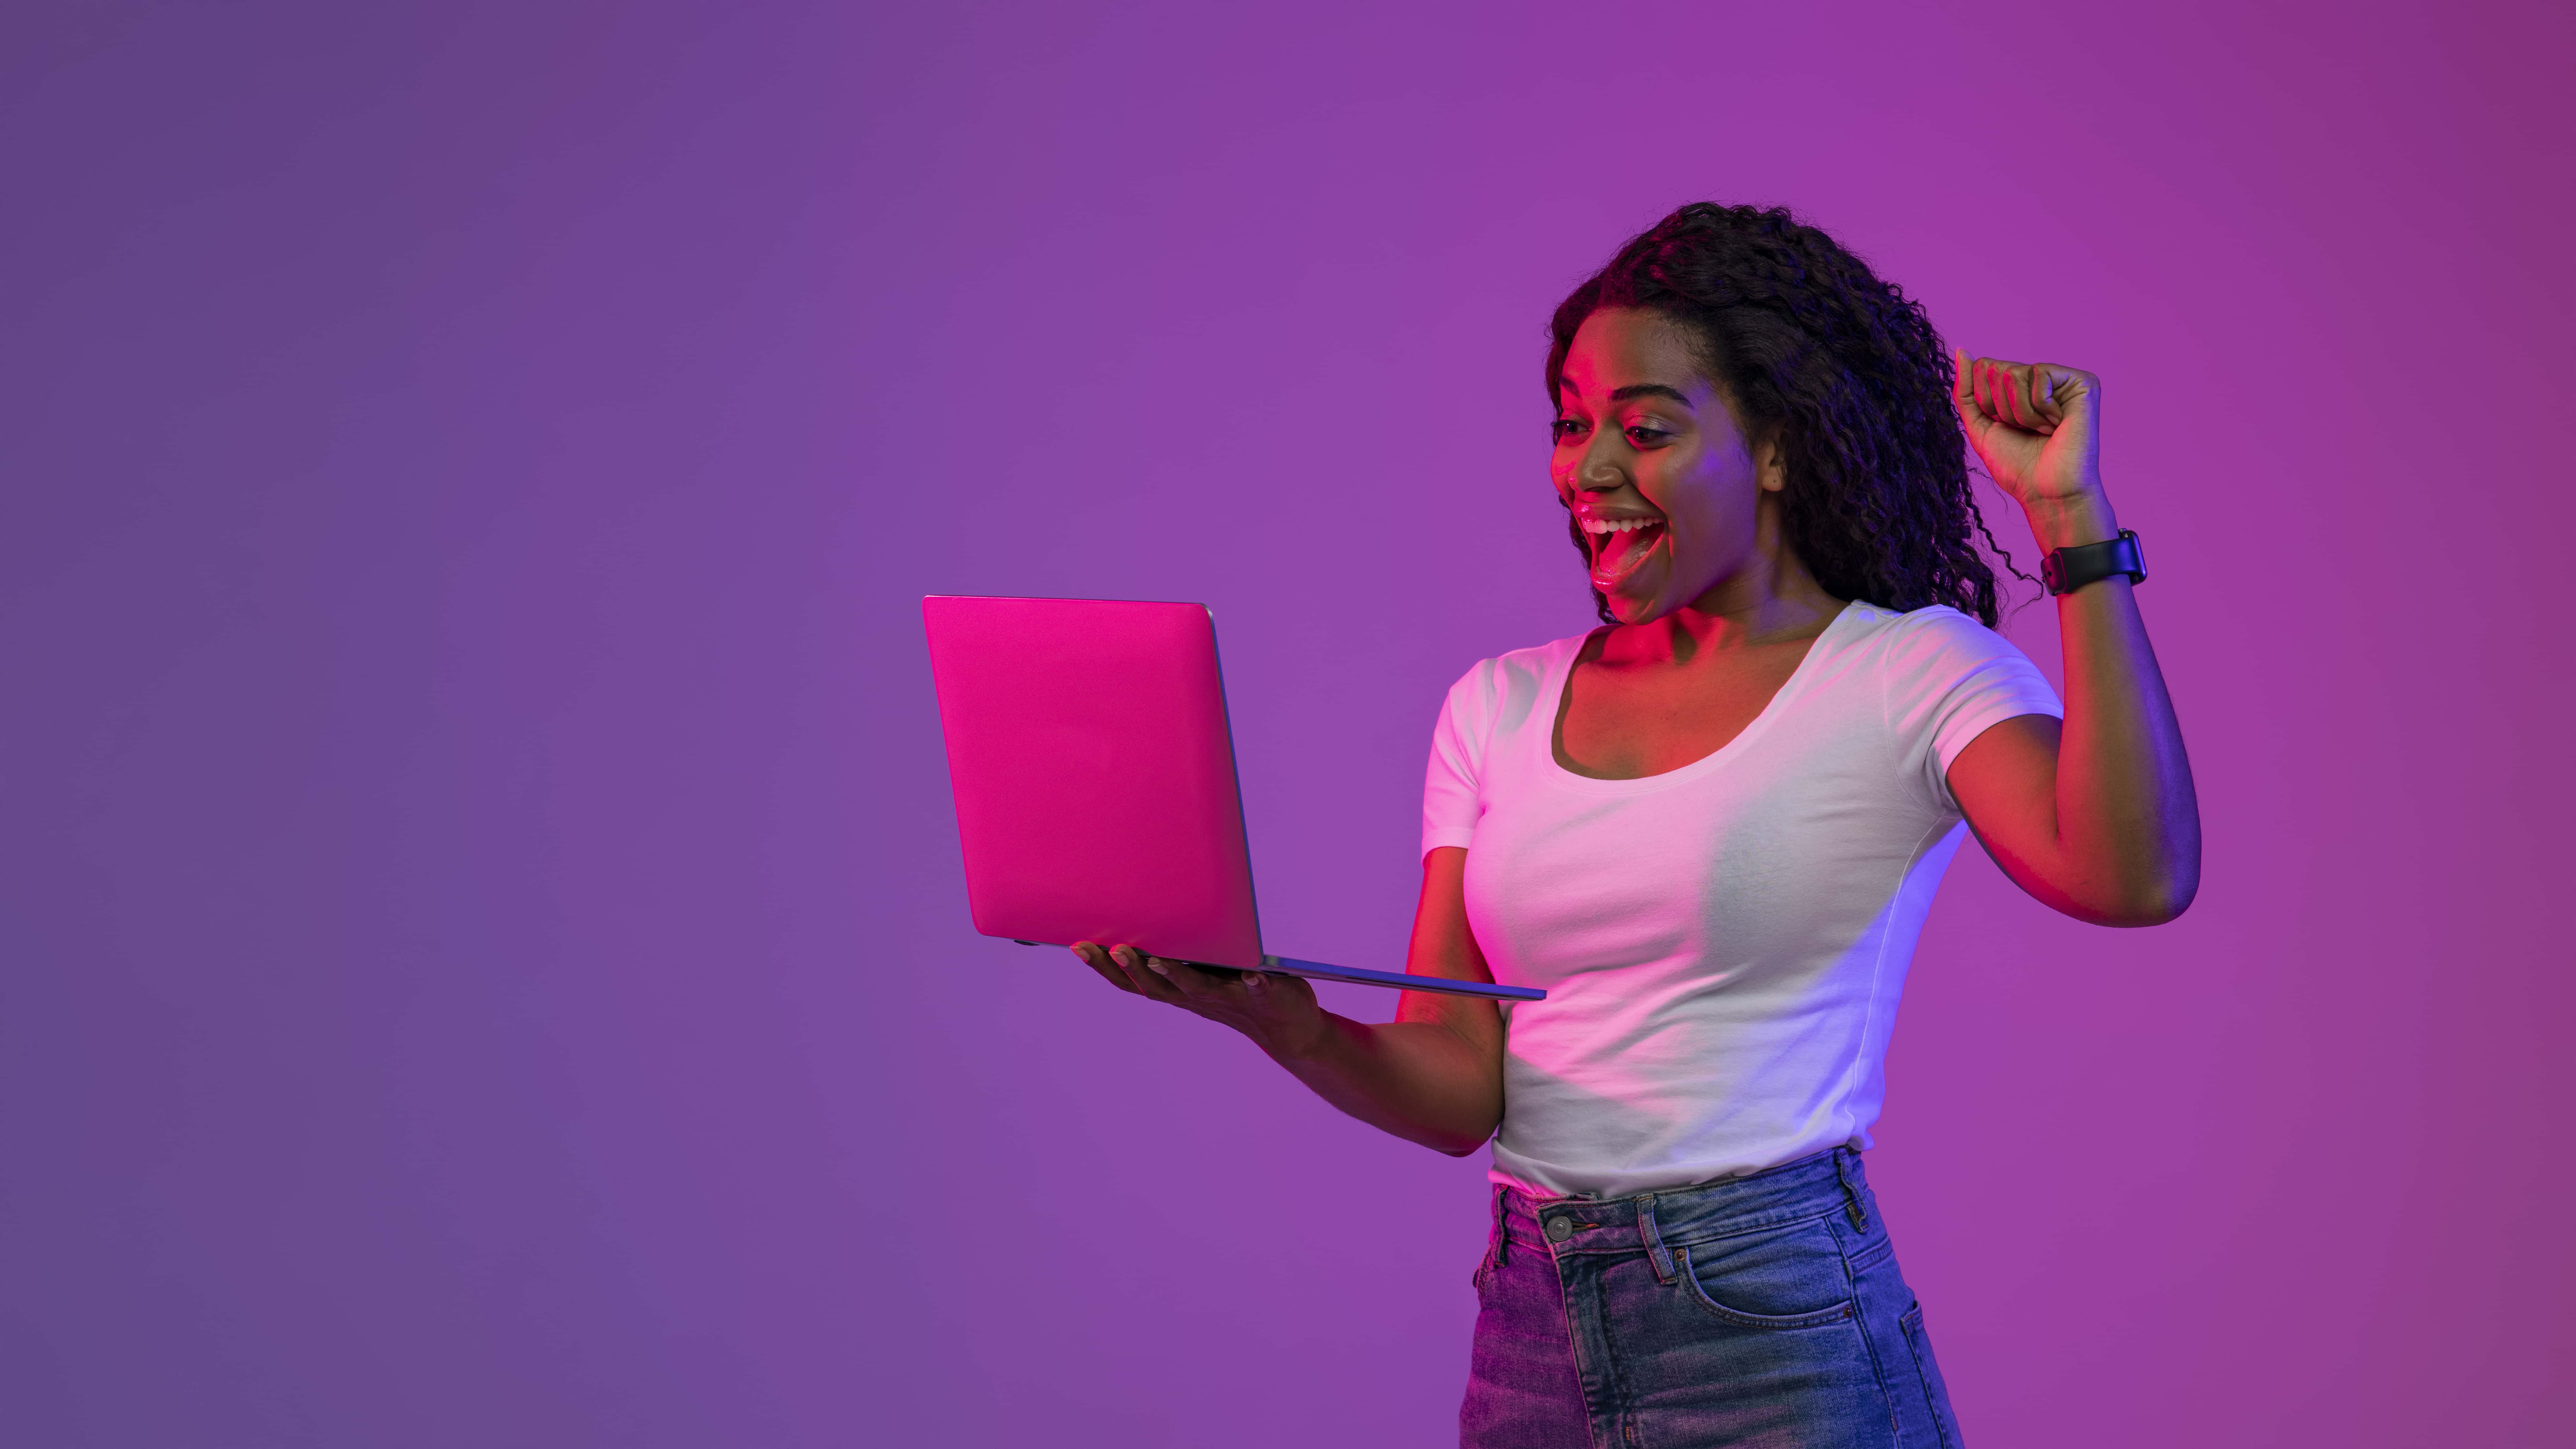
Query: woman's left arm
x=2096 y=816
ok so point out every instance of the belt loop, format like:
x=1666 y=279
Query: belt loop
x=1655 y=1253
x=1847 y=1167
x=1502 y=1228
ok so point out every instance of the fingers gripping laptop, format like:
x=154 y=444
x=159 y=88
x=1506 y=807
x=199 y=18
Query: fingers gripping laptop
x=1087 y=822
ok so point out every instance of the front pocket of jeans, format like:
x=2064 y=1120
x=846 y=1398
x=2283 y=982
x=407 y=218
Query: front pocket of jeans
x=1773 y=1272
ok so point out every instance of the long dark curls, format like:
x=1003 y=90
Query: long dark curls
x=1801 y=336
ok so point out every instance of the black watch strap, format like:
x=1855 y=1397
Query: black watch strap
x=2068 y=569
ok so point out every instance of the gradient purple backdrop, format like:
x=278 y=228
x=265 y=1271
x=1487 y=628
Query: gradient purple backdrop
x=485 y=953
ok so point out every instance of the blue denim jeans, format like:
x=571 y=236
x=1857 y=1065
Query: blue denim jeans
x=1765 y=1310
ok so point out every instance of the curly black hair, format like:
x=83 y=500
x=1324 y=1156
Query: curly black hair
x=1800 y=334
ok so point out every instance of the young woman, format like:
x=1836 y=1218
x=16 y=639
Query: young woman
x=1712 y=827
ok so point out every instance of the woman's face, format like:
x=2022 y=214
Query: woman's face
x=1664 y=485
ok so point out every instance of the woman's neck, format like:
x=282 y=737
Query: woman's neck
x=1770 y=599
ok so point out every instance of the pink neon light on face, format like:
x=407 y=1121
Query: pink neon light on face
x=1651 y=463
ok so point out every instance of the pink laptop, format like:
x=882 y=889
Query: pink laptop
x=1094 y=774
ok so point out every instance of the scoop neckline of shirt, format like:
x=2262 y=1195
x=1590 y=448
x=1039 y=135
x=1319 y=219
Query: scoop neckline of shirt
x=1562 y=676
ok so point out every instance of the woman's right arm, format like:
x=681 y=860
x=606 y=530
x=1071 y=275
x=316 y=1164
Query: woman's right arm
x=1434 y=1075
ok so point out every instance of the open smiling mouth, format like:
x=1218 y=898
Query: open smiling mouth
x=1619 y=547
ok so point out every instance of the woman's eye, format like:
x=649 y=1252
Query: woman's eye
x=1564 y=428
x=1644 y=436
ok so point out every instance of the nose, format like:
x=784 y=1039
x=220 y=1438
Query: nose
x=1597 y=470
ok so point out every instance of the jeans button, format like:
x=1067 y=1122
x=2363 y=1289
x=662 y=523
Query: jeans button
x=1558 y=1230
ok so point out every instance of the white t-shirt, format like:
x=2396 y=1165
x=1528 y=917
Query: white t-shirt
x=1722 y=945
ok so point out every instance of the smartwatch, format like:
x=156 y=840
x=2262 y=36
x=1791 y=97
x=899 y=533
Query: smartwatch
x=2067 y=569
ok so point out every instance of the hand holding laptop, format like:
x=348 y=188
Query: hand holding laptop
x=1278 y=1011
x=1040 y=769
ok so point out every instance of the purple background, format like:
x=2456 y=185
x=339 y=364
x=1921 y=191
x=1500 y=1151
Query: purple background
x=485 y=953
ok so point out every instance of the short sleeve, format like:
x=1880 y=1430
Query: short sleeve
x=1950 y=679
x=1452 y=791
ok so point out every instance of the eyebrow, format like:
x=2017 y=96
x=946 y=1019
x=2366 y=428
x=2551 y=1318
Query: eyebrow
x=1632 y=390
x=1649 y=389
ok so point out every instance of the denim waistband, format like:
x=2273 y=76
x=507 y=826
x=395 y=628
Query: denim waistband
x=1648 y=1222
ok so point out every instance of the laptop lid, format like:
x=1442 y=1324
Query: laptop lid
x=1094 y=774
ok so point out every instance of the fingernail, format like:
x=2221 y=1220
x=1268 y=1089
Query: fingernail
x=1155 y=965
x=1252 y=981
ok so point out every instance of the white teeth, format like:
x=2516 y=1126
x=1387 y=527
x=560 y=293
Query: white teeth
x=1617 y=525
